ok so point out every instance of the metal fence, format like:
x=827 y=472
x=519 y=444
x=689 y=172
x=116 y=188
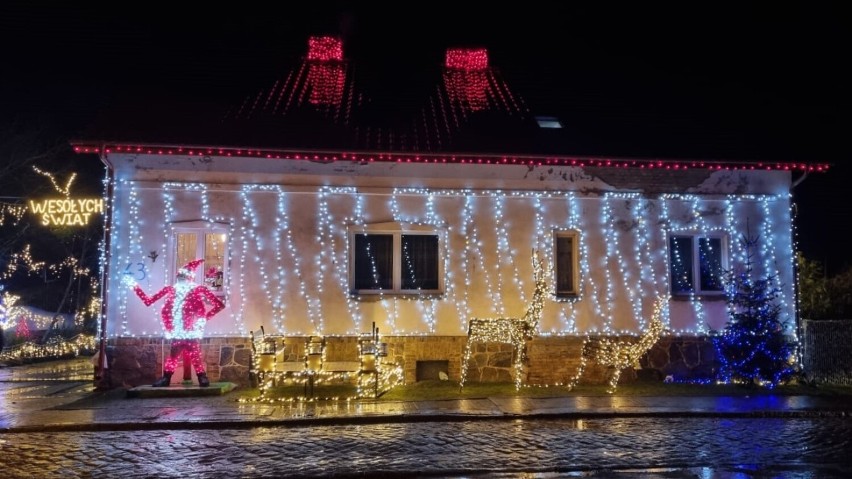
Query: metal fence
x=827 y=351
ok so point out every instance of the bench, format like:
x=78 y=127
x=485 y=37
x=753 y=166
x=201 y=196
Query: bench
x=312 y=359
x=341 y=366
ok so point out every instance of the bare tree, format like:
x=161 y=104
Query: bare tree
x=48 y=266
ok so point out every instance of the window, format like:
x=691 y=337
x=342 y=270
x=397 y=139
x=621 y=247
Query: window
x=373 y=262
x=697 y=263
x=201 y=240
x=567 y=272
x=405 y=261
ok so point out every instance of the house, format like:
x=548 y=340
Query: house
x=316 y=215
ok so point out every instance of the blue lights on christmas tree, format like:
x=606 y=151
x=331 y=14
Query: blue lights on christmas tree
x=754 y=348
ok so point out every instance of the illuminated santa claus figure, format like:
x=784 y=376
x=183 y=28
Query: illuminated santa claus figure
x=184 y=316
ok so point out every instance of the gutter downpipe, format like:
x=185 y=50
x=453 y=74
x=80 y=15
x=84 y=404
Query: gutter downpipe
x=105 y=381
x=794 y=212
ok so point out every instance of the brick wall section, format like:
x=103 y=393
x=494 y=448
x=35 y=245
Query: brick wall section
x=827 y=351
x=555 y=360
x=407 y=350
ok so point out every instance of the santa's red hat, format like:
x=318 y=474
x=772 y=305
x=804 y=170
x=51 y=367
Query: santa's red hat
x=189 y=268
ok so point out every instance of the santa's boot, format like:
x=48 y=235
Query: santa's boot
x=163 y=381
x=202 y=380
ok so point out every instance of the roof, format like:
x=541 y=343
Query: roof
x=464 y=110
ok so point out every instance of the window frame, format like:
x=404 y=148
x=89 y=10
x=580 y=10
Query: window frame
x=575 y=263
x=201 y=229
x=695 y=238
x=396 y=231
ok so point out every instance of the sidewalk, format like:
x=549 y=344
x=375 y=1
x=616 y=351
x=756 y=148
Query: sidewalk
x=58 y=404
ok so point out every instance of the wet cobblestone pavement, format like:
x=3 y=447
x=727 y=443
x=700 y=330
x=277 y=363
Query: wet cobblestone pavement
x=789 y=447
x=52 y=424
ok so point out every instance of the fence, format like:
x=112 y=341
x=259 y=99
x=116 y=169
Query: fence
x=55 y=347
x=827 y=351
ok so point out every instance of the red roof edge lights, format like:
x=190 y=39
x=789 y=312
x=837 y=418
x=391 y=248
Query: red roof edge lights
x=448 y=158
x=325 y=49
x=468 y=59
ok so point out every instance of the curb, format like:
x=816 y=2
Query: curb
x=403 y=419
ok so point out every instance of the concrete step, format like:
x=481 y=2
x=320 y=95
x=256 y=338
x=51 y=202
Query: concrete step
x=179 y=390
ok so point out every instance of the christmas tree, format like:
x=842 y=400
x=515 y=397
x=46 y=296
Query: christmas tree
x=754 y=348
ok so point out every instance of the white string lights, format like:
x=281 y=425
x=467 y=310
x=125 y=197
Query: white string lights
x=620 y=354
x=514 y=331
x=289 y=280
x=14 y=212
x=63 y=190
x=56 y=347
x=293 y=267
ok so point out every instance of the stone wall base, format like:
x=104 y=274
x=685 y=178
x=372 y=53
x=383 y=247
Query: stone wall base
x=549 y=360
x=138 y=361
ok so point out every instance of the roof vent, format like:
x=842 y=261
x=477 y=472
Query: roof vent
x=548 y=122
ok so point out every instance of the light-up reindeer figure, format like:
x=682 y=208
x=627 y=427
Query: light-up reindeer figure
x=619 y=354
x=514 y=331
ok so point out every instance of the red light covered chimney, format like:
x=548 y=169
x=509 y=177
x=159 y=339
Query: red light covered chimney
x=325 y=49
x=326 y=72
x=466 y=78
x=468 y=59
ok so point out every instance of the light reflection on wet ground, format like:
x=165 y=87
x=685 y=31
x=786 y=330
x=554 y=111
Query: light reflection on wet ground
x=772 y=447
x=77 y=369
x=29 y=389
x=667 y=447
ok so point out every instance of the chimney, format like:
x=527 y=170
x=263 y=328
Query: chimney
x=326 y=71
x=325 y=49
x=466 y=78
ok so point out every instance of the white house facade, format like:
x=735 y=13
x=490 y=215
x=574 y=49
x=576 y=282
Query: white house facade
x=312 y=232
x=323 y=243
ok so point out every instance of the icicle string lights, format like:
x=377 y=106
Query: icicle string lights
x=317 y=290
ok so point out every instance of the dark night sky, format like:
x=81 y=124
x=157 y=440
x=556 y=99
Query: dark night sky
x=769 y=81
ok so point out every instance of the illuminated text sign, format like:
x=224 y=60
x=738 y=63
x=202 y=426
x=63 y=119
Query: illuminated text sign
x=67 y=211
